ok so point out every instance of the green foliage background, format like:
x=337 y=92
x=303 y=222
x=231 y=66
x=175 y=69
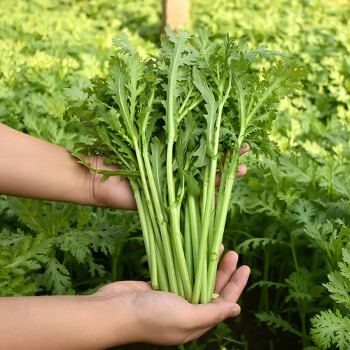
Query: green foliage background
x=290 y=221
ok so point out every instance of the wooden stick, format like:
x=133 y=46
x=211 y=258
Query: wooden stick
x=175 y=13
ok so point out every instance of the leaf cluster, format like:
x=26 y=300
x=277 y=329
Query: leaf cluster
x=332 y=326
x=60 y=243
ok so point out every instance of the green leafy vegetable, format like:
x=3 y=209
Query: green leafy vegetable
x=177 y=115
x=332 y=327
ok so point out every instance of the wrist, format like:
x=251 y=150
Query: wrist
x=94 y=193
x=116 y=320
x=113 y=193
x=90 y=182
x=99 y=192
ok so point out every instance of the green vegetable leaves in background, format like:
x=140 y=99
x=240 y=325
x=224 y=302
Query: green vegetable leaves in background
x=332 y=327
x=62 y=248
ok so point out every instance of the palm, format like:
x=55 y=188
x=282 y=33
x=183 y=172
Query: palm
x=169 y=319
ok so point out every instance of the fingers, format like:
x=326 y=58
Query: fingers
x=242 y=169
x=227 y=268
x=221 y=250
x=233 y=289
x=203 y=316
x=217 y=179
x=244 y=149
x=230 y=310
x=231 y=284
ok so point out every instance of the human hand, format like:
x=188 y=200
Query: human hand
x=114 y=192
x=118 y=194
x=166 y=319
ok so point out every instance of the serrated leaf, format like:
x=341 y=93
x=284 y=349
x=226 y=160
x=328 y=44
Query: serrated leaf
x=254 y=243
x=277 y=321
x=331 y=328
x=56 y=277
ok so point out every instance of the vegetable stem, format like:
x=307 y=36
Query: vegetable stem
x=188 y=242
x=165 y=247
x=175 y=224
x=194 y=221
x=221 y=219
x=149 y=244
x=201 y=271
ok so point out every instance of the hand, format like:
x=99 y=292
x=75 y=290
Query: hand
x=119 y=313
x=118 y=194
x=114 y=193
x=166 y=319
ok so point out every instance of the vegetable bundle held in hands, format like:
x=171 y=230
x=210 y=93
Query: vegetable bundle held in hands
x=171 y=123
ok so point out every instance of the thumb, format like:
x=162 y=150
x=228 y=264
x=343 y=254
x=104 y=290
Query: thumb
x=208 y=315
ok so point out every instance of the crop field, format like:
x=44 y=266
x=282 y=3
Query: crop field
x=288 y=217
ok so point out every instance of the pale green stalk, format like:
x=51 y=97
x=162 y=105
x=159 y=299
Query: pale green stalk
x=180 y=260
x=148 y=241
x=173 y=207
x=211 y=224
x=146 y=193
x=222 y=183
x=185 y=101
x=188 y=242
x=210 y=200
x=162 y=273
x=194 y=222
x=180 y=286
x=201 y=264
x=166 y=246
x=189 y=108
x=221 y=220
x=204 y=191
x=204 y=288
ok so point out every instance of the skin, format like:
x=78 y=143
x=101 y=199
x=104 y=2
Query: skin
x=118 y=313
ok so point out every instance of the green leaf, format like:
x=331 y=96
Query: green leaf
x=210 y=106
x=75 y=94
x=277 y=321
x=106 y=173
x=77 y=244
x=56 y=277
x=268 y=284
x=254 y=243
x=157 y=158
x=331 y=328
x=201 y=153
x=192 y=184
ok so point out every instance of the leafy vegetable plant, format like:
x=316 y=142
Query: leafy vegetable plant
x=171 y=123
x=331 y=327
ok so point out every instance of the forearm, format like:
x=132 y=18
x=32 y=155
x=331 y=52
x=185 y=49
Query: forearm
x=62 y=322
x=33 y=168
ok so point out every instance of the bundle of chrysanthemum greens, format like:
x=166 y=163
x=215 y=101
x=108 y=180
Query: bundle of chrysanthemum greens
x=167 y=121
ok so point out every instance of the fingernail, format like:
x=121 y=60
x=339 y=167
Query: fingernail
x=235 y=311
